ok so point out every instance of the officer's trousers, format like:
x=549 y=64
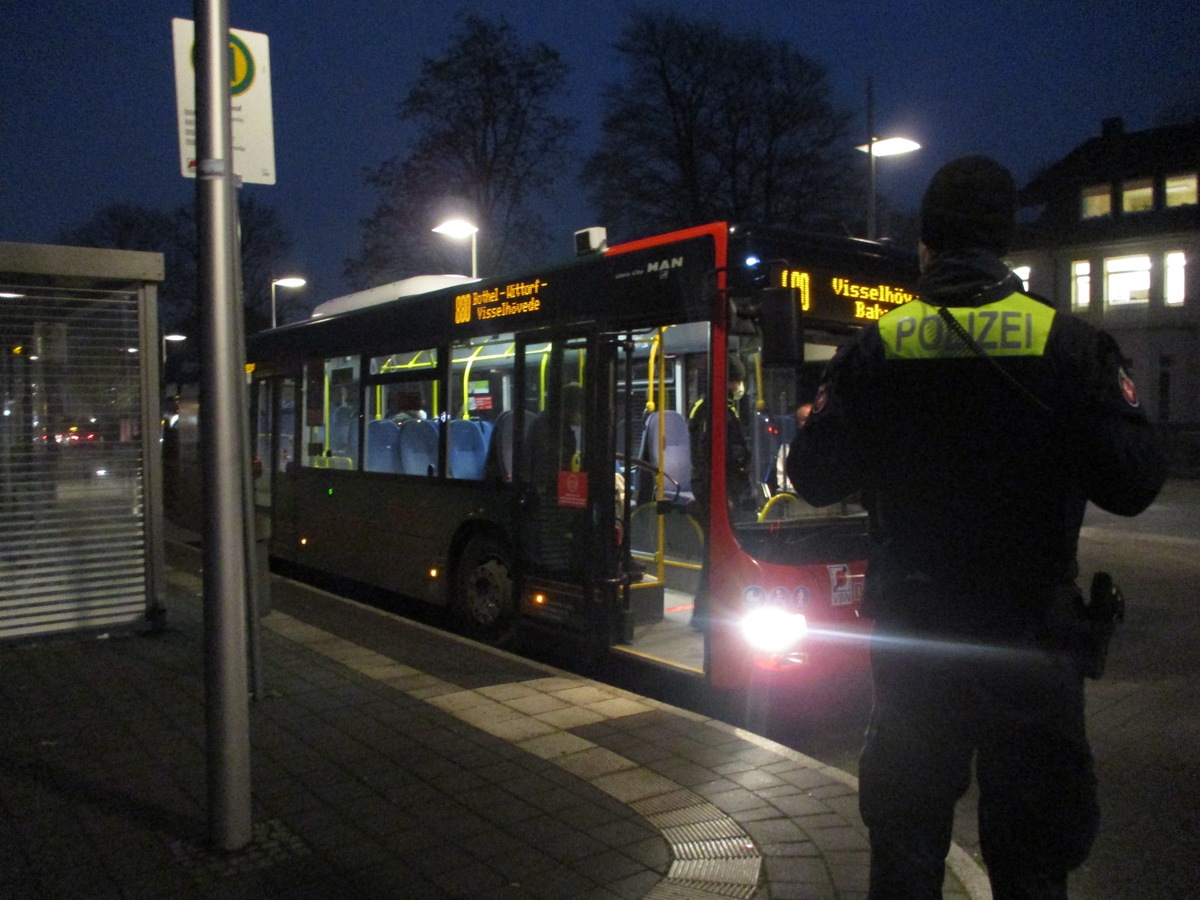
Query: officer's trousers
x=1015 y=708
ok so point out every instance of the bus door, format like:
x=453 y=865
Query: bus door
x=274 y=414
x=565 y=517
x=658 y=379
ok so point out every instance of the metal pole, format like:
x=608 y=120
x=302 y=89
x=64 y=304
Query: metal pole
x=870 y=160
x=474 y=267
x=226 y=701
x=254 y=585
x=272 y=303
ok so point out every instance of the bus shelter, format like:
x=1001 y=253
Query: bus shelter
x=80 y=462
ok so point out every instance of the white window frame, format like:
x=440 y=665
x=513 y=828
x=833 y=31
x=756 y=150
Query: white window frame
x=1174 y=278
x=1095 y=201
x=1137 y=195
x=1180 y=190
x=1081 y=284
x=1023 y=272
x=1127 y=280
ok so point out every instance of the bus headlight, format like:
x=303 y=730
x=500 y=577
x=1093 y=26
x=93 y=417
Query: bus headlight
x=773 y=630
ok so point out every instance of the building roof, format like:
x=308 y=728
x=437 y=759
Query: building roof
x=1116 y=155
x=1113 y=157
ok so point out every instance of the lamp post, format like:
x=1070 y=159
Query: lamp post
x=292 y=281
x=173 y=338
x=461 y=228
x=875 y=147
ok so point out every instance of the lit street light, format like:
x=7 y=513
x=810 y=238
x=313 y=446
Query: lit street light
x=461 y=228
x=173 y=338
x=292 y=281
x=875 y=147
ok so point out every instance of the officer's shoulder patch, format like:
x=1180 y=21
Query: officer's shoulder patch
x=822 y=398
x=1128 y=388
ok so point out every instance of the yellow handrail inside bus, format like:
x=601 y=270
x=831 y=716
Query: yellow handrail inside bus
x=659 y=349
x=542 y=381
x=326 y=429
x=761 y=402
x=470 y=361
x=654 y=345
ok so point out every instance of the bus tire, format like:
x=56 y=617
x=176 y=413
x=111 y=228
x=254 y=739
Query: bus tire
x=485 y=602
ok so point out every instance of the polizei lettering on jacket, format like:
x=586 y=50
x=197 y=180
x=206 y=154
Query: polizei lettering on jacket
x=1015 y=326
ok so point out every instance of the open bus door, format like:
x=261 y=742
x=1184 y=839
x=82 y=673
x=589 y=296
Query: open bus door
x=659 y=540
x=566 y=509
x=273 y=406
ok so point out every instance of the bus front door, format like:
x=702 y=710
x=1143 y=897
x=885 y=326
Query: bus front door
x=566 y=520
x=274 y=415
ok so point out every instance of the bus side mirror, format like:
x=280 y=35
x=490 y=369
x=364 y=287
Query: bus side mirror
x=743 y=318
x=779 y=318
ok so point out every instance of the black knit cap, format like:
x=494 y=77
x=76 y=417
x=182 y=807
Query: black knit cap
x=971 y=203
x=736 y=368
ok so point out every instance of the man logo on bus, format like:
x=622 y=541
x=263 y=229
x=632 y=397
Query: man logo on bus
x=664 y=266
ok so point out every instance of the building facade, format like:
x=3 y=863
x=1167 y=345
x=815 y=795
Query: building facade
x=1112 y=234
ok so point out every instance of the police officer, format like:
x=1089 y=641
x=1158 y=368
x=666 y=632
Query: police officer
x=977 y=422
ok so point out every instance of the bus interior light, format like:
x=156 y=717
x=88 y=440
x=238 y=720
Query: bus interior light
x=773 y=630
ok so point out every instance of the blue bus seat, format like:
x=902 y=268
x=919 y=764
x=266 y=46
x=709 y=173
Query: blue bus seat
x=499 y=465
x=467 y=449
x=418 y=447
x=339 y=430
x=677 y=453
x=382 y=437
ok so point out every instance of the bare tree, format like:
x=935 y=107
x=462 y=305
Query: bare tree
x=712 y=125
x=126 y=226
x=489 y=148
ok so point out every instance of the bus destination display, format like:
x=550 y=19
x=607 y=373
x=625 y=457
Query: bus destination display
x=515 y=299
x=839 y=298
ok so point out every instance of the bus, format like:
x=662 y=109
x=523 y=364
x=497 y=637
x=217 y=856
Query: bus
x=546 y=454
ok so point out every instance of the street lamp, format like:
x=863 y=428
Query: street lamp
x=461 y=228
x=292 y=281
x=874 y=147
x=173 y=338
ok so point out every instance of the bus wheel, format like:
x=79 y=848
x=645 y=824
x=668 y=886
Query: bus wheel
x=485 y=600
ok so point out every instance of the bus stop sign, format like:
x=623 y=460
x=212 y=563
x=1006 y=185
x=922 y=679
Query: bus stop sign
x=250 y=89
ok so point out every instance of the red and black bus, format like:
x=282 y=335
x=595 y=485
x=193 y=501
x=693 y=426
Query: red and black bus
x=540 y=452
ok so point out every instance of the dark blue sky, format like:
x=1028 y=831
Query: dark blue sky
x=87 y=105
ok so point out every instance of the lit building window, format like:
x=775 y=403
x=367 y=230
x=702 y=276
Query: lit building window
x=1137 y=195
x=1097 y=201
x=1081 y=284
x=1126 y=280
x=1181 y=190
x=1022 y=272
x=1174 y=284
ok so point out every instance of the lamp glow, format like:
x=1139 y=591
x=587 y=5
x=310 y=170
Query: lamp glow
x=461 y=228
x=892 y=146
x=773 y=630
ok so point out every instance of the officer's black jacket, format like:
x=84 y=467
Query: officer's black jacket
x=968 y=480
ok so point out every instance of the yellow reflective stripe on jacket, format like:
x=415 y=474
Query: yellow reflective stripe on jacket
x=1015 y=326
